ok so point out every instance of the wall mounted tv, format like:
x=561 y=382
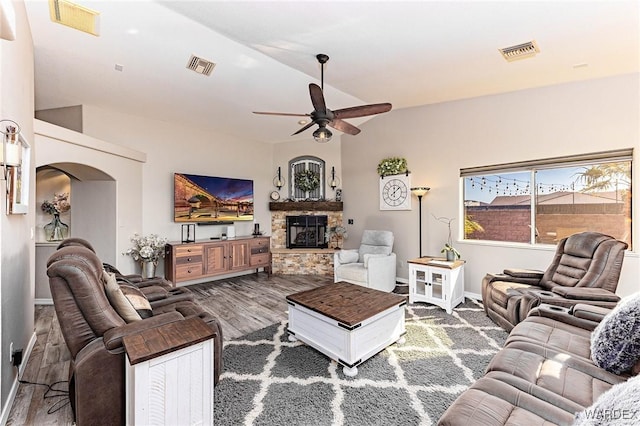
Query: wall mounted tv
x=208 y=199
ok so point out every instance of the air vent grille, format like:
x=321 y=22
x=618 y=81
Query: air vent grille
x=201 y=66
x=75 y=16
x=520 y=51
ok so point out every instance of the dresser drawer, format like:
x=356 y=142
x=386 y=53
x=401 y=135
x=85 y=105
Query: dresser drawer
x=189 y=250
x=260 y=259
x=188 y=271
x=183 y=260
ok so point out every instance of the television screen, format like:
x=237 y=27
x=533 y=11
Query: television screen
x=211 y=199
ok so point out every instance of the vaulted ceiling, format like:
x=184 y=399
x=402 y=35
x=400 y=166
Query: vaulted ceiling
x=407 y=53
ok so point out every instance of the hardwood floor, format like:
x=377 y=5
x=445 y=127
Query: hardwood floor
x=242 y=305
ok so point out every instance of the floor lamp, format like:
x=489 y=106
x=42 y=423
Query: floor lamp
x=419 y=192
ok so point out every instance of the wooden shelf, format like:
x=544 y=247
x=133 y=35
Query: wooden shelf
x=331 y=206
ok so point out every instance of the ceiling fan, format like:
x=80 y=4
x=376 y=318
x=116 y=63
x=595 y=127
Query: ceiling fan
x=323 y=116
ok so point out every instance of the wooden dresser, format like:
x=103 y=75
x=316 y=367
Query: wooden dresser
x=208 y=258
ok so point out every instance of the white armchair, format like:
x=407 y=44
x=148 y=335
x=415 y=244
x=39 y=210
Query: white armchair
x=373 y=265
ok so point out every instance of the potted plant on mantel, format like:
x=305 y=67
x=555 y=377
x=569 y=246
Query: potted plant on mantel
x=448 y=250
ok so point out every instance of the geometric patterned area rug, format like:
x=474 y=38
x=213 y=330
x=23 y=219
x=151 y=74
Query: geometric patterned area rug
x=268 y=380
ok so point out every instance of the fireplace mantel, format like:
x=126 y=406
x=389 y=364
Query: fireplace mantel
x=331 y=206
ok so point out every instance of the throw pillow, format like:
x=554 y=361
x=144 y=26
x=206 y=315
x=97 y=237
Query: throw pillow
x=118 y=301
x=617 y=406
x=615 y=342
x=138 y=300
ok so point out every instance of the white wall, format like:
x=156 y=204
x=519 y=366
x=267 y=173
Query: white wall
x=124 y=165
x=176 y=147
x=439 y=139
x=16 y=245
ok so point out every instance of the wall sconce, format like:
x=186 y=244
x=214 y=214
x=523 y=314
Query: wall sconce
x=11 y=154
x=420 y=191
x=334 y=182
x=278 y=180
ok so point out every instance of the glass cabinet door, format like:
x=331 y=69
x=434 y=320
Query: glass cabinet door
x=437 y=284
x=420 y=282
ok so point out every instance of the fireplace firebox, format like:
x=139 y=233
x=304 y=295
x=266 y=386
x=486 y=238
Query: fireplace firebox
x=306 y=231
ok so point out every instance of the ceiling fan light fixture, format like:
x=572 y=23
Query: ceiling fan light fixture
x=322 y=135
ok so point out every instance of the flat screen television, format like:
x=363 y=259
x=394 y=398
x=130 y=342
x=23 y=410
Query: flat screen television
x=209 y=199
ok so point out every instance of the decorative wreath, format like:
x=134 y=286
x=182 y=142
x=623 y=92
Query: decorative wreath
x=307 y=180
x=392 y=166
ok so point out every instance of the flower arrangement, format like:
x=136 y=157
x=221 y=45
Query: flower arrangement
x=146 y=249
x=60 y=204
x=337 y=233
x=307 y=180
x=392 y=166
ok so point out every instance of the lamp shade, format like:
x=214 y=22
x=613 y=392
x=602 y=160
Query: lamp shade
x=13 y=153
x=419 y=191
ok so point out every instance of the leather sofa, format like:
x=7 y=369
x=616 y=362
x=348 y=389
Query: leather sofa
x=93 y=330
x=585 y=269
x=546 y=375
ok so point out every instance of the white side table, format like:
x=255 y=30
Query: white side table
x=169 y=375
x=436 y=281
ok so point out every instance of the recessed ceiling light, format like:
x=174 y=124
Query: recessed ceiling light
x=302 y=122
x=581 y=65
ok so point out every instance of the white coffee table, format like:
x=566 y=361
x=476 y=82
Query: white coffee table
x=346 y=322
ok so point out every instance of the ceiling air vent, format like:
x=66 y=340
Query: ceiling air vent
x=201 y=66
x=75 y=16
x=520 y=51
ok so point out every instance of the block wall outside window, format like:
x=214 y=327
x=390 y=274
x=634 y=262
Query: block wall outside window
x=543 y=201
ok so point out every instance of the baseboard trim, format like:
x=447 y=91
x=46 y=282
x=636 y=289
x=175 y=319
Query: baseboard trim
x=402 y=280
x=43 y=301
x=474 y=296
x=6 y=409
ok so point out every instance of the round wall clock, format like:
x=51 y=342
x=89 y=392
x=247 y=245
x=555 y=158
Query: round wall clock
x=275 y=195
x=395 y=193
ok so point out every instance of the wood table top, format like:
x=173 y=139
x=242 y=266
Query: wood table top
x=440 y=262
x=347 y=303
x=154 y=342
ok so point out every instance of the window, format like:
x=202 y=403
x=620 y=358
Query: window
x=543 y=201
x=307 y=163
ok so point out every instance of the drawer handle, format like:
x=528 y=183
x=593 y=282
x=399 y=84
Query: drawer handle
x=188 y=259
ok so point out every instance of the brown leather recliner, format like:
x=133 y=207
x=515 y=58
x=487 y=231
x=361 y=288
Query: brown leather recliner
x=585 y=269
x=93 y=332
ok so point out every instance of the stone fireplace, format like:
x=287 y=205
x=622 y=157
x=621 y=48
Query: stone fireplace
x=301 y=261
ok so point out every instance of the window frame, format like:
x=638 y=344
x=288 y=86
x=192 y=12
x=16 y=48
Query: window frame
x=533 y=166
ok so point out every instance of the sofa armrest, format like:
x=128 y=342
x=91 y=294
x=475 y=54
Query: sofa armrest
x=345 y=256
x=524 y=273
x=113 y=338
x=369 y=257
x=586 y=293
x=589 y=312
x=562 y=314
x=491 y=277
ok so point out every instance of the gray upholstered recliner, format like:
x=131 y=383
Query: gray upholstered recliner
x=373 y=265
x=585 y=269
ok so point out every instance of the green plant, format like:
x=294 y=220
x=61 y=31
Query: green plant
x=307 y=180
x=447 y=247
x=392 y=166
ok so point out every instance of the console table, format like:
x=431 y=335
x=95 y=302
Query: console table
x=208 y=258
x=436 y=281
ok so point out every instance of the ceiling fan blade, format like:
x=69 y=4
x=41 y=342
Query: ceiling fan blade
x=343 y=126
x=304 y=128
x=362 y=110
x=317 y=98
x=289 y=114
